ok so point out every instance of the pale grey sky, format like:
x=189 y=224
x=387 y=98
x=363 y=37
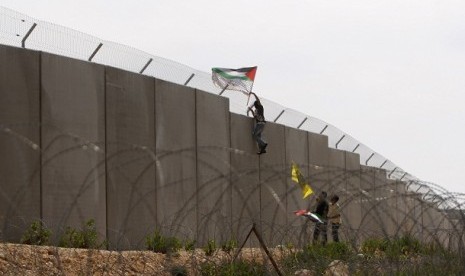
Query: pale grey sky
x=391 y=73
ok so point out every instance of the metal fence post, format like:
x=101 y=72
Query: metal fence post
x=403 y=176
x=323 y=130
x=189 y=79
x=95 y=51
x=23 y=41
x=343 y=136
x=392 y=172
x=302 y=122
x=145 y=66
x=366 y=162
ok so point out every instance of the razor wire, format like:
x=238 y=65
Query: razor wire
x=20 y=30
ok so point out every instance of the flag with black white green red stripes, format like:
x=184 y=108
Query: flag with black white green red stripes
x=241 y=79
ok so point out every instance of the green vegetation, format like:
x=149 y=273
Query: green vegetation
x=161 y=244
x=36 y=234
x=229 y=246
x=189 y=245
x=398 y=256
x=394 y=248
x=403 y=255
x=87 y=237
x=210 y=248
x=317 y=257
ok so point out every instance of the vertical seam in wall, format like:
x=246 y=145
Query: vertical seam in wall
x=106 y=149
x=40 y=139
x=285 y=166
x=346 y=174
x=230 y=174
x=196 y=169
x=155 y=147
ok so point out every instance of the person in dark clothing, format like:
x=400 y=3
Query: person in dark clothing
x=322 y=211
x=258 y=113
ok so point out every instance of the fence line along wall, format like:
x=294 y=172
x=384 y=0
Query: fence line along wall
x=20 y=30
x=82 y=141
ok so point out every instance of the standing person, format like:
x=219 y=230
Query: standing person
x=257 y=111
x=334 y=216
x=322 y=211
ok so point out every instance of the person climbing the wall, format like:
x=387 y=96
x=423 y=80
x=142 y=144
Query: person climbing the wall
x=258 y=114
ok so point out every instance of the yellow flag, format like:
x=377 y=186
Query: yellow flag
x=296 y=176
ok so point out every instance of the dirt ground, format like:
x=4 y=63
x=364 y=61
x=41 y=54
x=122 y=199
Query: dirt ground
x=17 y=259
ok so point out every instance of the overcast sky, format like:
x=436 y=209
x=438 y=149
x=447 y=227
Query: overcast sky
x=390 y=73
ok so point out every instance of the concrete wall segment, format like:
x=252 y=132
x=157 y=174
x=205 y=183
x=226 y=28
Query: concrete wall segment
x=213 y=167
x=73 y=143
x=245 y=182
x=386 y=214
x=130 y=156
x=19 y=141
x=176 y=178
x=350 y=200
x=273 y=176
x=369 y=225
x=336 y=171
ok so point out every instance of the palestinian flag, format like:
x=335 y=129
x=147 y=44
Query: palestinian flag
x=234 y=79
x=311 y=216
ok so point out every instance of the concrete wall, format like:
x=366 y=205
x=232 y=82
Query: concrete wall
x=130 y=156
x=245 y=182
x=370 y=225
x=351 y=199
x=82 y=141
x=273 y=185
x=176 y=157
x=19 y=140
x=213 y=168
x=73 y=143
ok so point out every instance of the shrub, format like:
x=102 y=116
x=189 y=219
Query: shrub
x=229 y=246
x=189 y=245
x=338 y=251
x=395 y=248
x=85 y=238
x=317 y=257
x=36 y=234
x=161 y=244
x=210 y=248
x=370 y=246
x=401 y=247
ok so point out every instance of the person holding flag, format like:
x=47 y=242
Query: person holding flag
x=322 y=212
x=258 y=113
x=242 y=80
